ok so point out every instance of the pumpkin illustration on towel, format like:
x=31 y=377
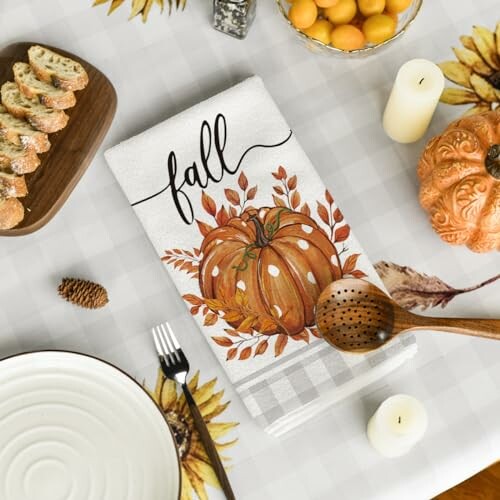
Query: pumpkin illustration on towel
x=281 y=259
x=260 y=270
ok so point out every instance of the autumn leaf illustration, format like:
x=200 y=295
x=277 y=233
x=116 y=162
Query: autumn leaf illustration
x=183 y=260
x=243 y=181
x=280 y=344
x=411 y=289
x=208 y=204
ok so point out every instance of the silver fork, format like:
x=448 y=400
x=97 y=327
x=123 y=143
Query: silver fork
x=175 y=366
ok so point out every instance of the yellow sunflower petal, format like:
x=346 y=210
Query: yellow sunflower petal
x=497 y=36
x=160 y=380
x=227 y=444
x=211 y=404
x=196 y=482
x=205 y=392
x=161 y=4
x=482 y=107
x=193 y=383
x=468 y=42
x=204 y=471
x=168 y=396
x=456 y=72
x=114 y=5
x=473 y=60
x=458 y=96
x=147 y=8
x=484 y=89
x=484 y=40
x=99 y=2
x=187 y=488
x=219 y=429
x=217 y=411
x=137 y=6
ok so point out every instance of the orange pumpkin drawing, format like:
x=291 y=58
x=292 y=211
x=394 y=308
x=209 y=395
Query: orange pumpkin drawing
x=280 y=258
x=460 y=175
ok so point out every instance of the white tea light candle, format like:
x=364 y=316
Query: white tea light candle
x=413 y=100
x=397 y=425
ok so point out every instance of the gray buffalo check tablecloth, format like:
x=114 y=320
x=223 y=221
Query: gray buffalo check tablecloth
x=334 y=108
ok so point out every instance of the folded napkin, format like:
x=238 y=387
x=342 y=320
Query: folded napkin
x=250 y=237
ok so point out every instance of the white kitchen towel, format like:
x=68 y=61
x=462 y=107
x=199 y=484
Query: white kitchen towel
x=250 y=236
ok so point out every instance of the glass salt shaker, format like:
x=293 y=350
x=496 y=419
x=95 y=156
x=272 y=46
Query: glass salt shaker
x=234 y=17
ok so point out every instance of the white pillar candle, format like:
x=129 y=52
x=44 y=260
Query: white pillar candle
x=397 y=425
x=413 y=100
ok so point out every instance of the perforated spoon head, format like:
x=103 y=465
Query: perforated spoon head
x=355 y=316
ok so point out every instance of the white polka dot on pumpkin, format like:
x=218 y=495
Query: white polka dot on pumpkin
x=273 y=271
x=215 y=271
x=243 y=223
x=333 y=260
x=311 y=278
x=262 y=213
x=278 y=311
x=241 y=285
x=303 y=244
x=307 y=229
x=218 y=242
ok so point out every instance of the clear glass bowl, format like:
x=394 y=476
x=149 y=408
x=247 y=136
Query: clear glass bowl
x=404 y=21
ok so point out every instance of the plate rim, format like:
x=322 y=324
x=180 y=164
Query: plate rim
x=128 y=376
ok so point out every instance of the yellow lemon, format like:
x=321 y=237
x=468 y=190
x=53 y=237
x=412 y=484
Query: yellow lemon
x=379 y=28
x=347 y=37
x=326 y=3
x=342 y=12
x=303 y=13
x=320 y=30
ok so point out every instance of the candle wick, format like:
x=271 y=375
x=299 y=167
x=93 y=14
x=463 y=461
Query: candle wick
x=399 y=420
x=420 y=82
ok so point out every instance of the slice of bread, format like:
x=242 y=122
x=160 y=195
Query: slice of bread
x=20 y=132
x=17 y=158
x=42 y=118
x=47 y=94
x=53 y=68
x=11 y=212
x=12 y=185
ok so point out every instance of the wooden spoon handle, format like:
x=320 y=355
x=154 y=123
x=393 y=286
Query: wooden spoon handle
x=487 y=328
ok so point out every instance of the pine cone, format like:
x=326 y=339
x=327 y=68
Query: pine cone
x=83 y=293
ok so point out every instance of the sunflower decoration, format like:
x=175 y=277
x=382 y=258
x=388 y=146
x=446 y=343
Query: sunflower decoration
x=142 y=7
x=477 y=71
x=196 y=469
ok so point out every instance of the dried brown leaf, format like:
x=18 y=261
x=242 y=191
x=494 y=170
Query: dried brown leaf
x=214 y=304
x=342 y=233
x=328 y=197
x=208 y=204
x=245 y=353
x=350 y=263
x=232 y=196
x=282 y=172
x=193 y=299
x=243 y=181
x=303 y=335
x=204 y=227
x=231 y=353
x=223 y=341
x=305 y=209
x=261 y=347
x=411 y=289
x=280 y=344
x=232 y=316
x=251 y=193
x=358 y=274
x=278 y=190
x=338 y=216
x=267 y=325
x=278 y=201
x=323 y=213
x=292 y=183
x=295 y=200
x=316 y=333
x=210 y=319
x=233 y=212
x=222 y=216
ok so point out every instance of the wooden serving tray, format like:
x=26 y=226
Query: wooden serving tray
x=72 y=148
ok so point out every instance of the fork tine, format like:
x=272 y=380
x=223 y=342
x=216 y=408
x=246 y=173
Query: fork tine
x=160 y=347
x=172 y=336
x=167 y=332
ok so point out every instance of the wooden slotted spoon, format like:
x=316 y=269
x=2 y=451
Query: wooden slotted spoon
x=355 y=316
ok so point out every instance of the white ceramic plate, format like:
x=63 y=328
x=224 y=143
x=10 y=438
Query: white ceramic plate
x=75 y=428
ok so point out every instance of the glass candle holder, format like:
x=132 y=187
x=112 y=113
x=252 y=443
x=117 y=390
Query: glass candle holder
x=234 y=17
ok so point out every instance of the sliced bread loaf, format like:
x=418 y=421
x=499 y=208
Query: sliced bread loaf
x=12 y=185
x=47 y=94
x=42 y=118
x=20 y=132
x=54 y=68
x=11 y=212
x=18 y=159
